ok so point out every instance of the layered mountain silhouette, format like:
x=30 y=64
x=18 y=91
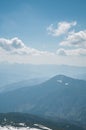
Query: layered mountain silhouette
x=60 y=97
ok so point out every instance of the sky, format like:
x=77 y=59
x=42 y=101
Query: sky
x=43 y=32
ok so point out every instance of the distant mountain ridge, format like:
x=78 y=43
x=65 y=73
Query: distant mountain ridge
x=60 y=97
x=21 y=84
x=11 y=73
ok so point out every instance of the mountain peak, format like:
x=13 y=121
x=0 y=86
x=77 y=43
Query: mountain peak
x=61 y=78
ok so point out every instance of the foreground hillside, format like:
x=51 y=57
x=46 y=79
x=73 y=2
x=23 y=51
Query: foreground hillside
x=14 y=121
x=60 y=97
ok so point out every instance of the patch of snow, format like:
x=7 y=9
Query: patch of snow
x=22 y=124
x=59 y=81
x=41 y=126
x=23 y=128
x=5 y=119
x=66 y=83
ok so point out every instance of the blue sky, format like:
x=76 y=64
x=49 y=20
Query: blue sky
x=45 y=26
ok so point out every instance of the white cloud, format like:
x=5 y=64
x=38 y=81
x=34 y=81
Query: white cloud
x=11 y=44
x=76 y=39
x=73 y=52
x=61 y=52
x=75 y=44
x=16 y=46
x=62 y=28
x=18 y=52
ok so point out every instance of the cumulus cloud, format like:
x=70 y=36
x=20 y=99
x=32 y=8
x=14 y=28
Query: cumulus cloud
x=61 y=52
x=73 y=52
x=11 y=44
x=76 y=39
x=62 y=28
x=16 y=46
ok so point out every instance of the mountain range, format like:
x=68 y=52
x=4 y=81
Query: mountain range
x=59 y=98
x=13 y=73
